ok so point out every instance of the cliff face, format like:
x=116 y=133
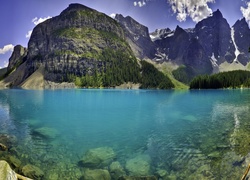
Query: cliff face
x=74 y=42
x=211 y=46
x=137 y=36
x=18 y=57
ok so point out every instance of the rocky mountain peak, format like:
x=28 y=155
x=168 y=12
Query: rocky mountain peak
x=17 y=57
x=137 y=36
x=241 y=23
x=178 y=31
x=76 y=7
x=132 y=25
x=217 y=14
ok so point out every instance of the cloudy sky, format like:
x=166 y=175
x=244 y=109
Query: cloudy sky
x=19 y=17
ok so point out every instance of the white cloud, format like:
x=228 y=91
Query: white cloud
x=195 y=9
x=140 y=3
x=5 y=64
x=28 y=34
x=7 y=48
x=112 y=15
x=246 y=12
x=36 y=21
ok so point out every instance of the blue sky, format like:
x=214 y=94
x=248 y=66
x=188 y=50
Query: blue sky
x=19 y=17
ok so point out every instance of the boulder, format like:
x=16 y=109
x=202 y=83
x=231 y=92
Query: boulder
x=6 y=172
x=138 y=166
x=46 y=132
x=32 y=171
x=161 y=173
x=3 y=147
x=138 y=178
x=116 y=170
x=95 y=174
x=98 y=157
x=14 y=162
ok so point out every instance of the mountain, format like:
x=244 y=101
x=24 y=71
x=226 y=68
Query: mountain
x=90 y=49
x=137 y=36
x=79 y=42
x=242 y=40
x=211 y=46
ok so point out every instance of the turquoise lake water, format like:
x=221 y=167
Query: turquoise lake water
x=203 y=134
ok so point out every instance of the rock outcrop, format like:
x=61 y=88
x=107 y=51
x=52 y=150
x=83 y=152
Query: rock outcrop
x=17 y=57
x=137 y=36
x=6 y=172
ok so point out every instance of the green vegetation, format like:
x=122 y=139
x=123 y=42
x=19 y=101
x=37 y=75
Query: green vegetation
x=184 y=74
x=152 y=78
x=117 y=67
x=232 y=79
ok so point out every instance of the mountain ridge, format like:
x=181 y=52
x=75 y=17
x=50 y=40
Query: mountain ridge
x=87 y=47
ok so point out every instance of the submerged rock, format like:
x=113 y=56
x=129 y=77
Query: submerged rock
x=46 y=132
x=116 y=170
x=138 y=166
x=32 y=171
x=7 y=140
x=214 y=155
x=95 y=174
x=6 y=173
x=161 y=173
x=3 y=147
x=138 y=178
x=98 y=157
x=14 y=162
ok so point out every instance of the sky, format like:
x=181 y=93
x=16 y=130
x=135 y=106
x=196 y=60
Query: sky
x=19 y=17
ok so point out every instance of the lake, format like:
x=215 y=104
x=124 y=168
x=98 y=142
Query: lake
x=199 y=134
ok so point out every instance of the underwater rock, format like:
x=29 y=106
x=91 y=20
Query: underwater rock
x=161 y=173
x=3 y=147
x=6 y=172
x=14 y=162
x=95 y=174
x=32 y=171
x=98 y=157
x=7 y=140
x=137 y=178
x=138 y=166
x=222 y=146
x=46 y=132
x=116 y=170
x=190 y=118
x=214 y=155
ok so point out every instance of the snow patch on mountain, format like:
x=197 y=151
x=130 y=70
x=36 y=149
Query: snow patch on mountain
x=214 y=61
x=237 y=52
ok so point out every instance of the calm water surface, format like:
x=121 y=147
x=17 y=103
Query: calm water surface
x=188 y=134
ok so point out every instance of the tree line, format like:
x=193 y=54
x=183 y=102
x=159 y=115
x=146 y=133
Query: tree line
x=231 y=79
x=118 y=68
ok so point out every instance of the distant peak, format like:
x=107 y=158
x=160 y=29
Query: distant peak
x=217 y=14
x=241 y=22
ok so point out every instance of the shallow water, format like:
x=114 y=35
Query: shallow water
x=189 y=134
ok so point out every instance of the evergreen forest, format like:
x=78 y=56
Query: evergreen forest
x=231 y=79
